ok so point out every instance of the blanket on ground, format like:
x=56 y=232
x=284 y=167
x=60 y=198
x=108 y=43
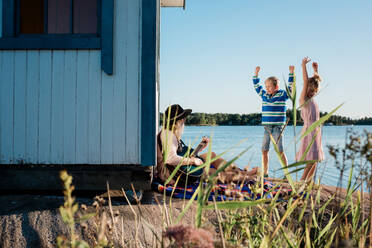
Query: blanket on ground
x=225 y=192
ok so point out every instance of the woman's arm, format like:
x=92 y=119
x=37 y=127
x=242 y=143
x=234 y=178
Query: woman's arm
x=305 y=78
x=172 y=157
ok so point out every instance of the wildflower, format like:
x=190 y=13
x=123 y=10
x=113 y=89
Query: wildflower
x=187 y=236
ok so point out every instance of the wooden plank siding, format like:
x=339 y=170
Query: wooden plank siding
x=45 y=110
x=82 y=107
x=32 y=106
x=59 y=107
x=6 y=107
x=20 y=80
x=133 y=111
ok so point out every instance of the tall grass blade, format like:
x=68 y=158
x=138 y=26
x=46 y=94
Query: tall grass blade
x=231 y=205
x=265 y=242
x=304 y=207
x=309 y=145
x=174 y=172
x=287 y=175
x=326 y=228
x=286 y=214
x=293 y=95
x=350 y=177
x=188 y=205
x=296 y=170
x=204 y=189
x=319 y=122
x=287 y=239
x=307 y=235
x=296 y=164
x=322 y=208
x=330 y=240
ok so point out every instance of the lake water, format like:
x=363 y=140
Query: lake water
x=225 y=137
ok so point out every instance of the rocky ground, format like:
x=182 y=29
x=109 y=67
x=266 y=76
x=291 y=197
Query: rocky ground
x=34 y=220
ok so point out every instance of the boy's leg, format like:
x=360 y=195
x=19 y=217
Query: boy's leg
x=265 y=162
x=265 y=150
x=278 y=136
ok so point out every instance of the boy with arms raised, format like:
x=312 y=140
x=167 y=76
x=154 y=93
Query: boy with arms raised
x=273 y=113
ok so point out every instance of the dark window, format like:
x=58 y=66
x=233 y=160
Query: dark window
x=31 y=16
x=58 y=16
x=85 y=16
x=59 y=24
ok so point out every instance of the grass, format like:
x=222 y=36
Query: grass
x=310 y=220
x=306 y=218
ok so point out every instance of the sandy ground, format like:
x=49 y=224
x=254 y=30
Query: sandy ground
x=34 y=220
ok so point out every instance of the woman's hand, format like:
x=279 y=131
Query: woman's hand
x=305 y=60
x=204 y=142
x=196 y=161
x=291 y=69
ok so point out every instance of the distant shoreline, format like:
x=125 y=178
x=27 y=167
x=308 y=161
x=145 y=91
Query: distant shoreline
x=254 y=119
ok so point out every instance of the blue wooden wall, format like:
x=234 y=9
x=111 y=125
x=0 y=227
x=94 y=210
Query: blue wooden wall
x=59 y=107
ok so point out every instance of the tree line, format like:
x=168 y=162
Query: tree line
x=223 y=119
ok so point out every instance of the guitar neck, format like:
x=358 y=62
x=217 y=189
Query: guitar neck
x=198 y=149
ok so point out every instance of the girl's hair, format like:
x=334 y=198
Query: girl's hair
x=274 y=80
x=313 y=84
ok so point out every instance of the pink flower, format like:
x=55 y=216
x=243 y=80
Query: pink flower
x=187 y=236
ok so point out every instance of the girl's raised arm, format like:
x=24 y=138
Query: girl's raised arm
x=305 y=78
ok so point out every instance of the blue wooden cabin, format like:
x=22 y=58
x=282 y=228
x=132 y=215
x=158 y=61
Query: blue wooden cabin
x=78 y=91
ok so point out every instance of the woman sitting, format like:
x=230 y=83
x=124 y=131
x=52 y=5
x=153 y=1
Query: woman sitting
x=170 y=145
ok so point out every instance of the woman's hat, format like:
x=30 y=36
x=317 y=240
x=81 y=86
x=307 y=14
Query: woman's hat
x=176 y=112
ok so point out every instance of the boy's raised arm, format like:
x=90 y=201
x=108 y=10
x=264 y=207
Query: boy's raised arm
x=257 y=71
x=256 y=81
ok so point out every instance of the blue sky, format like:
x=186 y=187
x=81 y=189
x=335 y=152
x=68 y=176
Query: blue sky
x=209 y=51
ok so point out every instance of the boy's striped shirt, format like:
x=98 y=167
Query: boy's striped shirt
x=273 y=106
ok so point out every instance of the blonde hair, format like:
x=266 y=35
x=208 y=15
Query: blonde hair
x=176 y=127
x=274 y=80
x=313 y=84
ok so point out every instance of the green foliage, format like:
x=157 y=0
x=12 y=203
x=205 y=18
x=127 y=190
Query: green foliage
x=302 y=220
x=254 y=119
x=68 y=213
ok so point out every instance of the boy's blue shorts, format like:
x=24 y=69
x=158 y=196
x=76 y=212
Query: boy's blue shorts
x=275 y=131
